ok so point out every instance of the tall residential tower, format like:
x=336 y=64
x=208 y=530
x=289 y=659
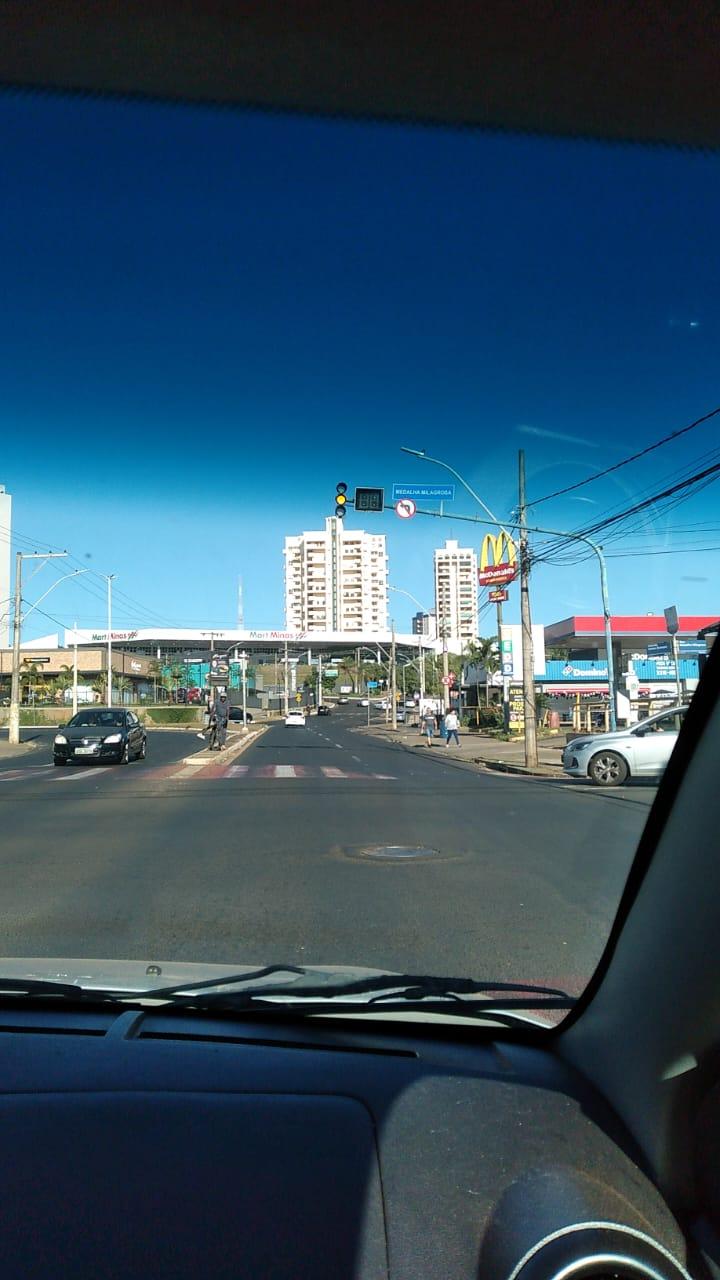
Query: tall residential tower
x=336 y=579
x=456 y=594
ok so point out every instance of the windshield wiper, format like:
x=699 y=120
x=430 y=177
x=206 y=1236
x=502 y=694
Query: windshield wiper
x=317 y=993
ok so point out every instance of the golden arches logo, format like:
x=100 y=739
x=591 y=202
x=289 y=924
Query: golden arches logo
x=494 y=566
x=494 y=543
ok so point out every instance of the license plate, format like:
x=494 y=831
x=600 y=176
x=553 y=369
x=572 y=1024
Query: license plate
x=85 y=751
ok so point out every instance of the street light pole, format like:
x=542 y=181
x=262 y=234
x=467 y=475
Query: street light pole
x=393 y=678
x=420 y=453
x=14 y=716
x=109 y=638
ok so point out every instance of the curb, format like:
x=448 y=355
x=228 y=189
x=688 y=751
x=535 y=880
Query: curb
x=479 y=762
x=506 y=766
x=209 y=757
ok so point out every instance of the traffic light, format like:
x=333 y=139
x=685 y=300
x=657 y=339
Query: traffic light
x=340 y=499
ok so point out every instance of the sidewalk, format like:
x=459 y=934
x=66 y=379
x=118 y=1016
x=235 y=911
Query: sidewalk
x=480 y=750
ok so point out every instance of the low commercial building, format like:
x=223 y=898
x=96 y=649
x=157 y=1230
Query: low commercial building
x=46 y=671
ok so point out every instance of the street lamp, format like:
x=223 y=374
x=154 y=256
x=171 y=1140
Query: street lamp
x=421 y=657
x=524 y=529
x=14 y=717
x=527 y=641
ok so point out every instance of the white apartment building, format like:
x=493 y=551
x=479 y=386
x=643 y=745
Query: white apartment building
x=456 y=593
x=336 y=579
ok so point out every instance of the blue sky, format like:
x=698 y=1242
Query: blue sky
x=211 y=317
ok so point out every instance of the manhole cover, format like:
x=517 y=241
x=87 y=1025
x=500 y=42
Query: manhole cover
x=394 y=852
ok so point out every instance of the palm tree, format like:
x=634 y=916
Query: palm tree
x=482 y=653
x=121 y=684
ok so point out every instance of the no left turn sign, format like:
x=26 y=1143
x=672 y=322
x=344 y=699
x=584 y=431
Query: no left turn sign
x=405 y=508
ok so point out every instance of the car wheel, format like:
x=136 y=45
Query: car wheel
x=125 y=755
x=143 y=750
x=608 y=769
x=56 y=761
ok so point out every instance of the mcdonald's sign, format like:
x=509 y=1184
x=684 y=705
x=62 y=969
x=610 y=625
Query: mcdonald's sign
x=494 y=569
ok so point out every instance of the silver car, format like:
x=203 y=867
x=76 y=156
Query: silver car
x=609 y=759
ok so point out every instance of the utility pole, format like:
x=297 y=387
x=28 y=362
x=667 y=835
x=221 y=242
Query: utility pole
x=286 y=682
x=393 y=677
x=531 y=755
x=446 y=668
x=319 y=697
x=109 y=640
x=14 y=716
x=75 y=670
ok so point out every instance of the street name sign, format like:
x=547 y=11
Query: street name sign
x=424 y=492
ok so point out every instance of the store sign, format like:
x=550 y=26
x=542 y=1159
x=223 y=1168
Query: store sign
x=517 y=710
x=498 y=597
x=101 y=636
x=498 y=560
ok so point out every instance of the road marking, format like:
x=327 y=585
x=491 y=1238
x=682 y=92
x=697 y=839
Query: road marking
x=285 y=771
x=357 y=759
x=90 y=773
x=235 y=770
x=339 y=746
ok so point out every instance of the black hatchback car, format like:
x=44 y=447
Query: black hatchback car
x=109 y=734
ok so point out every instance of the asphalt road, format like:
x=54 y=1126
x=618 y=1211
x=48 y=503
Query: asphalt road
x=274 y=858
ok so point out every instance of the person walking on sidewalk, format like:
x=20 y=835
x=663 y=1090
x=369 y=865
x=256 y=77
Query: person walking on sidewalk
x=452 y=726
x=429 y=726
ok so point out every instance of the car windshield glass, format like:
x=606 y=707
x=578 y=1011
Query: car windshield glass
x=98 y=719
x=415 y=428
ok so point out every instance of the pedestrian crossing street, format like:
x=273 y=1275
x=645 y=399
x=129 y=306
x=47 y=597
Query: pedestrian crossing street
x=184 y=772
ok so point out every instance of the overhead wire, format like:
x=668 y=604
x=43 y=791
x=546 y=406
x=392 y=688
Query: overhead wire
x=624 y=462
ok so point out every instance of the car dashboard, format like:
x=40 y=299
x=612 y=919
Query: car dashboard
x=175 y=1144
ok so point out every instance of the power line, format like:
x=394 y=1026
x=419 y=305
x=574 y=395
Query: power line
x=674 y=435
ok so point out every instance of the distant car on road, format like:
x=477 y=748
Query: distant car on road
x=342 y=702
x=609 y=759
x=108 y=734
x=236 y=713
x=323 y=710
x=295 y=718
x=364 y=702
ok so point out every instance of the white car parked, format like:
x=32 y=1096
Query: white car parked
x=295 y=717
x=609 y=759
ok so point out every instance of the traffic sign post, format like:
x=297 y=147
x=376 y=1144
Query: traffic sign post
x=672 y=623
x=405 y=508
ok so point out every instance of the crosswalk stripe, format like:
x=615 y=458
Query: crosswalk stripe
x=201 y=772
x=75 y=776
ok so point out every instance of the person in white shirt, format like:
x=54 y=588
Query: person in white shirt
x=452 y=725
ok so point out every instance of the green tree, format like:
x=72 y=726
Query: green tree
x=483 y=653
x=121 y=685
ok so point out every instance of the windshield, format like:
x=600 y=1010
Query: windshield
x=418 y=426
x=97 y=719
